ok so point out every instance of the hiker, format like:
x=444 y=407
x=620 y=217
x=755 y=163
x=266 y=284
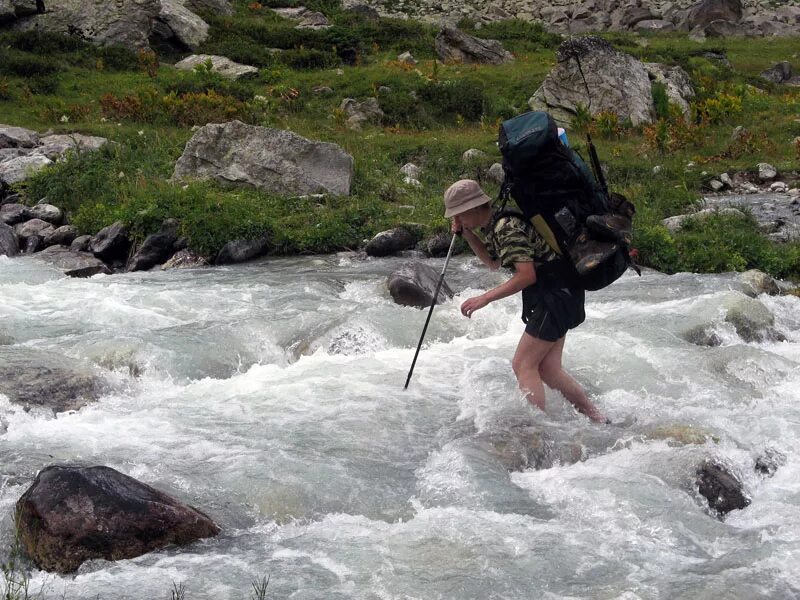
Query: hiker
x=548 y=310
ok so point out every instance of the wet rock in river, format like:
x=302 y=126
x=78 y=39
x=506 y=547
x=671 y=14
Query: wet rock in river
x=769 y=461
x=757 y=283
x=8 y=241
x=74 y=264
x=156 y=247
x=388 y=243
x=752 y=320
x=721 y=488
x=239 y=251
x=413 y=284
x=111 y=243
x=72 y=514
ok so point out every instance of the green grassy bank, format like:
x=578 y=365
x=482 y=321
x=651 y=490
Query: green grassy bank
x=433 y=112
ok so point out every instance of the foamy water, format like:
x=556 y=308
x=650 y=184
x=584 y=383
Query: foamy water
x=270 y=396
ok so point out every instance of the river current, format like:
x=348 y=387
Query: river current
x=270 y=396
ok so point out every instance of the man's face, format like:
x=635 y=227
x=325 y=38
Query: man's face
x=471 y=218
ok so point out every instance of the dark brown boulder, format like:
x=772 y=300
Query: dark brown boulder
x=239 y=251
x=721 y=488
x=705 y=12
x=111 y=243
x=413 y=284
x=72 y=514
x=156 y=248
x=388 y=243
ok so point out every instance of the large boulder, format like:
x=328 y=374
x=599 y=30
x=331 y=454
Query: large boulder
x=453 y=45
x=63 y=236
x=48 y=212
x=272 y=160
x=37 y=380
x=124 y=22
x=11 y=214
x=413 y=284
x=705 y=12
x=111 y=244
x=720 y=487
x=72 y=262
x=57 y=145
x=219 y=64
x=9 y=246
x=72 y=514
x=751 y=319
x=156 y=248
x=219 y=7
x=20 y=168
x=779 y=73
x=617 y=82
x=677 y=82
x=31 y=234
x=181 y=24
x=239 y=251
x=390 y=242
x=17 y=137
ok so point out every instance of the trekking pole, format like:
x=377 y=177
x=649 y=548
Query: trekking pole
x=430 y=312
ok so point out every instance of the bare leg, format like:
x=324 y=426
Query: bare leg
x=553 y=374
x=530 y=353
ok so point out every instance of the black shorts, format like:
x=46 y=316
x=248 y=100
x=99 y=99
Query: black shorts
x=550 y=312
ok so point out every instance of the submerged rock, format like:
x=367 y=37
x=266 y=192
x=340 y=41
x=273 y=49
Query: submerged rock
x=74 y=264
x=752 y=320
x=721 y=488
x=413 y=284
x=757 y=283
x=769 y=461
x=72 y=514
x=184 y=259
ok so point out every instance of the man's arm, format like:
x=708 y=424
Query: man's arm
x=524 y=275
x=477 y=245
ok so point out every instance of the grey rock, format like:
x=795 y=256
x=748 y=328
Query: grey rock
x=17 y=137
x=72 y=514
x=9 y=246
x=675 y=224
x=680 y=90
x=752 y=320
x=34 y=228
x=473 y=155
x=111 y=244
x=619 y=83
x=453 y=45
x=19 y=169
x=757 y=283
x=388 y=243
x=239 y=251
x=780 y=73
x=411 y=170
x=721 y=488
x=413 y=284
x=769 y=461
x=291 y=12
x=81 y=243
x=36 y=379
x=365 y=12
x=47 y=212
x=124 y=22
x=322 y=90
x=726 y=180
x=63 y=236
x=766 y=172
x=11 y=214
x=313 y=20
x=184 y=259
x=9 y=153
x=156 y=248
x=359 y=113
x=438 y=245
x=716 y=185
x=189 y=29
x=219 y=64
x=73 y=263
x=632 y=15
x=779 y=187
x=705 y=12
x=496 y=173
x=267 y=159
x=220 y=7
x=654 y=26
x=56 y=146
x=408 y=58
x=723 y=29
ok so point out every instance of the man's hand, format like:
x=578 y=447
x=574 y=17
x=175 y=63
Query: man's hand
x=455 y=226
x=473 y=304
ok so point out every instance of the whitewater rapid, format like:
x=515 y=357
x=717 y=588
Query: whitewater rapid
x=270 y=396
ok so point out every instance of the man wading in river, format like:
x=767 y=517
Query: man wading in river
x=548 y=311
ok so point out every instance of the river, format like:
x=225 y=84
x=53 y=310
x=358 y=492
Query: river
x=270 y=396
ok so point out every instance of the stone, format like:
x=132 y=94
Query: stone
x=239 y=251
x=779 y=73
x=40 y=380
x=407 y=58
x=9 y=246
x=654 y=26
x=705 y=12
x=34 y=228
x=716 y=185
x=57 y=145
x=156 y=248
x=9 y=153
x=414 y=283
x=272 y=160
x=678 y=84
x=184 y=25
x=619 y=83
x=726 y=180
x=72 y=514
x=675 y=224
x=411 y=170
x=321 y=90
x=17 y=137
x=359 y=113
x=389 y=243
x=218 y=64
x=757 y=282
x=313 y=20
x=473 y=155
x=766 y=172
x=453 y=45
x=438 y=245
x=779 y=187
x=291 y=12
x=111 y=243
x=769 y=461
x=73 y=263
x=723 y=29
x=63 y=236
x=632 y=15
x=184 y=259
x=11 y=214
x=657 y=169
x=752 y=320
x=124 y=22
x=365 y=12
x=19 y=169
x=496 y=174
x=721 y=488
x=80 y=243
x=47 y=212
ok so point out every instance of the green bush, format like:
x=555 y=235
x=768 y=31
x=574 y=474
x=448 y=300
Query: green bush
x=305 y=58
x=28 y=65
x=661 y=100
x=520 y=35
x=447 y=99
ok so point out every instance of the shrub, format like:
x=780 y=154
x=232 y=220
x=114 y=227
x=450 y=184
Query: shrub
x=28 y=65
x=660 y=100
x=718 y=109
x=305 y=58
x=447 y=99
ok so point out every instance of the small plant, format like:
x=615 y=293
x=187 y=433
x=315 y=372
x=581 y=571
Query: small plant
x=661 y=100
x=5 y=90
x=260 y=588
x=718 y=109
x=148 y=62
x=582 y=120
x=658 y=136
x=15 y=582
x=797 y=148
x=178 y=591
x=607 y=124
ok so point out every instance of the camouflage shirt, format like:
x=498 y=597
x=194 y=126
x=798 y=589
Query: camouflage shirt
x=512 y=240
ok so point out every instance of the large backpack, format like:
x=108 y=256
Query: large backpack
x=557 y=193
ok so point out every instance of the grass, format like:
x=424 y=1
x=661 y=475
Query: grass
x=434 y=113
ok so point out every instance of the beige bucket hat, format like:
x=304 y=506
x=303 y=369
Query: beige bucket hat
x=463 y=195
